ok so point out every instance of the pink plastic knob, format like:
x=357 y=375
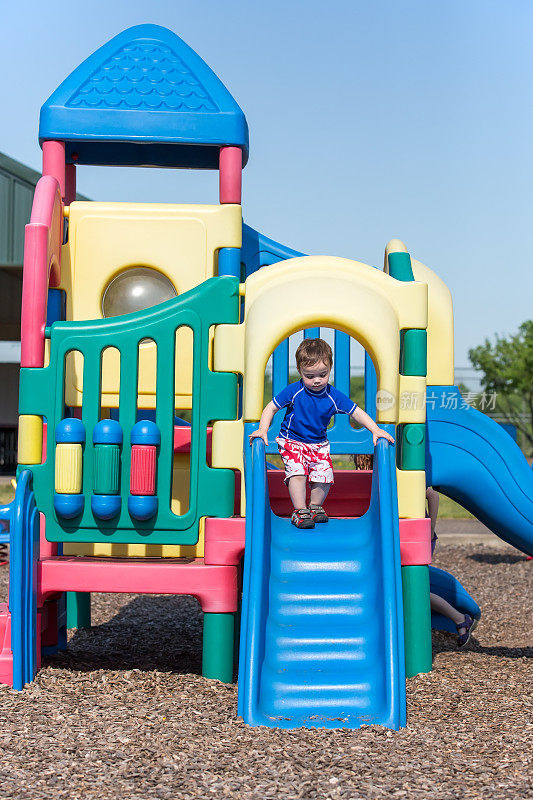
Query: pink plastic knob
x=142 y=479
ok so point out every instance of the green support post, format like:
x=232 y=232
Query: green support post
x=217 y=656
x=400 y=267
x=413 y=351
x=78 y=609
x=412 y=446
x=417 y=620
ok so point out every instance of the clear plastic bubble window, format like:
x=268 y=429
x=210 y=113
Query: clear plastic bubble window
x=135 y=289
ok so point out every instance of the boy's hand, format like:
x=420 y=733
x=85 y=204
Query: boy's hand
x=379 y=433
x=259 y=434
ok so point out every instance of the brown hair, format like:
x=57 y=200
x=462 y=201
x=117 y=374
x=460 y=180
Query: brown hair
x=311 y=351
x=363 y=461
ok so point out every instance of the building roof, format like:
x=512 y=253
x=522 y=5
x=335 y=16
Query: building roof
x=146 y=99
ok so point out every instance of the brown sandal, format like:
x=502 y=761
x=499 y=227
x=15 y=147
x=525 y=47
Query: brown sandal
x=318 y=514
x=302 y=518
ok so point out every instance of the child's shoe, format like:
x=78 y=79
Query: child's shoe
x=318 y=514
x=302 y=518
x=468 y=626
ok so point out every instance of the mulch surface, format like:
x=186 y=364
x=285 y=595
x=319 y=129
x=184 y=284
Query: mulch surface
x=125 y=713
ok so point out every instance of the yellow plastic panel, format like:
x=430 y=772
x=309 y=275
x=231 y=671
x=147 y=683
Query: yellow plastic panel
x=228 y=437
x=332 y=292
x=412 y=398
x=229 y=348
x=106 y=238
x=411 y=493
x=68 y=468
x=181 y=479
x=30 y=440
x=227 y=444
x=139 y=550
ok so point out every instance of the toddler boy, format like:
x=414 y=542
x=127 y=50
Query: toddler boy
x=303 y=442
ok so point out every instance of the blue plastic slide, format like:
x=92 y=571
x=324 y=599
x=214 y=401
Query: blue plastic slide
x=473 y=460
x=322 y=618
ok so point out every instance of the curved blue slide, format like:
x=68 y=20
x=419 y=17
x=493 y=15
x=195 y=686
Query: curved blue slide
x=472 y=459
x=322 y=616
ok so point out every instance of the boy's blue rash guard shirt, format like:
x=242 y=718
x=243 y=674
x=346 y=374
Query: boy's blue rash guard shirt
x=308 y=413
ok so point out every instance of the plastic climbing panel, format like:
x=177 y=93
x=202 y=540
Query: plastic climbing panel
x=211 y=491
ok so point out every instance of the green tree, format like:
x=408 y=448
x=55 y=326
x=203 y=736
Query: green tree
x=507 y=367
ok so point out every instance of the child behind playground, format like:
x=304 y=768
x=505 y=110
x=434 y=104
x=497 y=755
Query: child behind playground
x=303 y=444
x=464 y=623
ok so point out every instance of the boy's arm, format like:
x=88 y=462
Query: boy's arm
x=265 y=422
x=366 y=421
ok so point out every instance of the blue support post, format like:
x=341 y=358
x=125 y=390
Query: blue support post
x=280 y=379
x=371 y=387
x=280 y=367
x=229 y=262
x=342 y=362
x=23 y=557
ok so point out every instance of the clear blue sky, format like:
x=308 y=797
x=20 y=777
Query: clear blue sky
x=368 y=121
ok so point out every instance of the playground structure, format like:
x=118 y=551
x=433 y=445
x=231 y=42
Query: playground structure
x=136 y=315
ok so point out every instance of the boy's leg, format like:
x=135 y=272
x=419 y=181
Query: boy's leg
x=297 y=491
x=319 y=492
x=320 y=479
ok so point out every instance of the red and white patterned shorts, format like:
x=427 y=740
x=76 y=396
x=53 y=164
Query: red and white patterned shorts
x=301 y=458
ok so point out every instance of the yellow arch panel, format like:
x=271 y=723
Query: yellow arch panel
x=440 y=327
x=440 y=348
x=298 y=293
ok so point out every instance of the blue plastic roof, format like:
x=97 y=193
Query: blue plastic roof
x=144 y=98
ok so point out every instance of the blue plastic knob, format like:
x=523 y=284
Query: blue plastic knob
x=70 y=431
x=107 y=431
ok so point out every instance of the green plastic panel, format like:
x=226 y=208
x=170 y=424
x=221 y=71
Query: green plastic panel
x=214 y=398
x=417 y=620
x=413 y=352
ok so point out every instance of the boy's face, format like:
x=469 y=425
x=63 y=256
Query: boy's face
x=315 y=377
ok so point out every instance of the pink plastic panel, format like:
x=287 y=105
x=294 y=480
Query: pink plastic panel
x=224 y=540
x=415 y=542
x=215 y=587
x=42 y=252
x=6 y=656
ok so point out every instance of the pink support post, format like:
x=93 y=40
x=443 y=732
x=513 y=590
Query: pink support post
x=54 y=163
x=70 y=184
x=230 y=166
x=46 y=549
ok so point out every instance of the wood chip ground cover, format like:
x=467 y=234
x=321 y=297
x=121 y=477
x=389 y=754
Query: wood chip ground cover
x=125 y=713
